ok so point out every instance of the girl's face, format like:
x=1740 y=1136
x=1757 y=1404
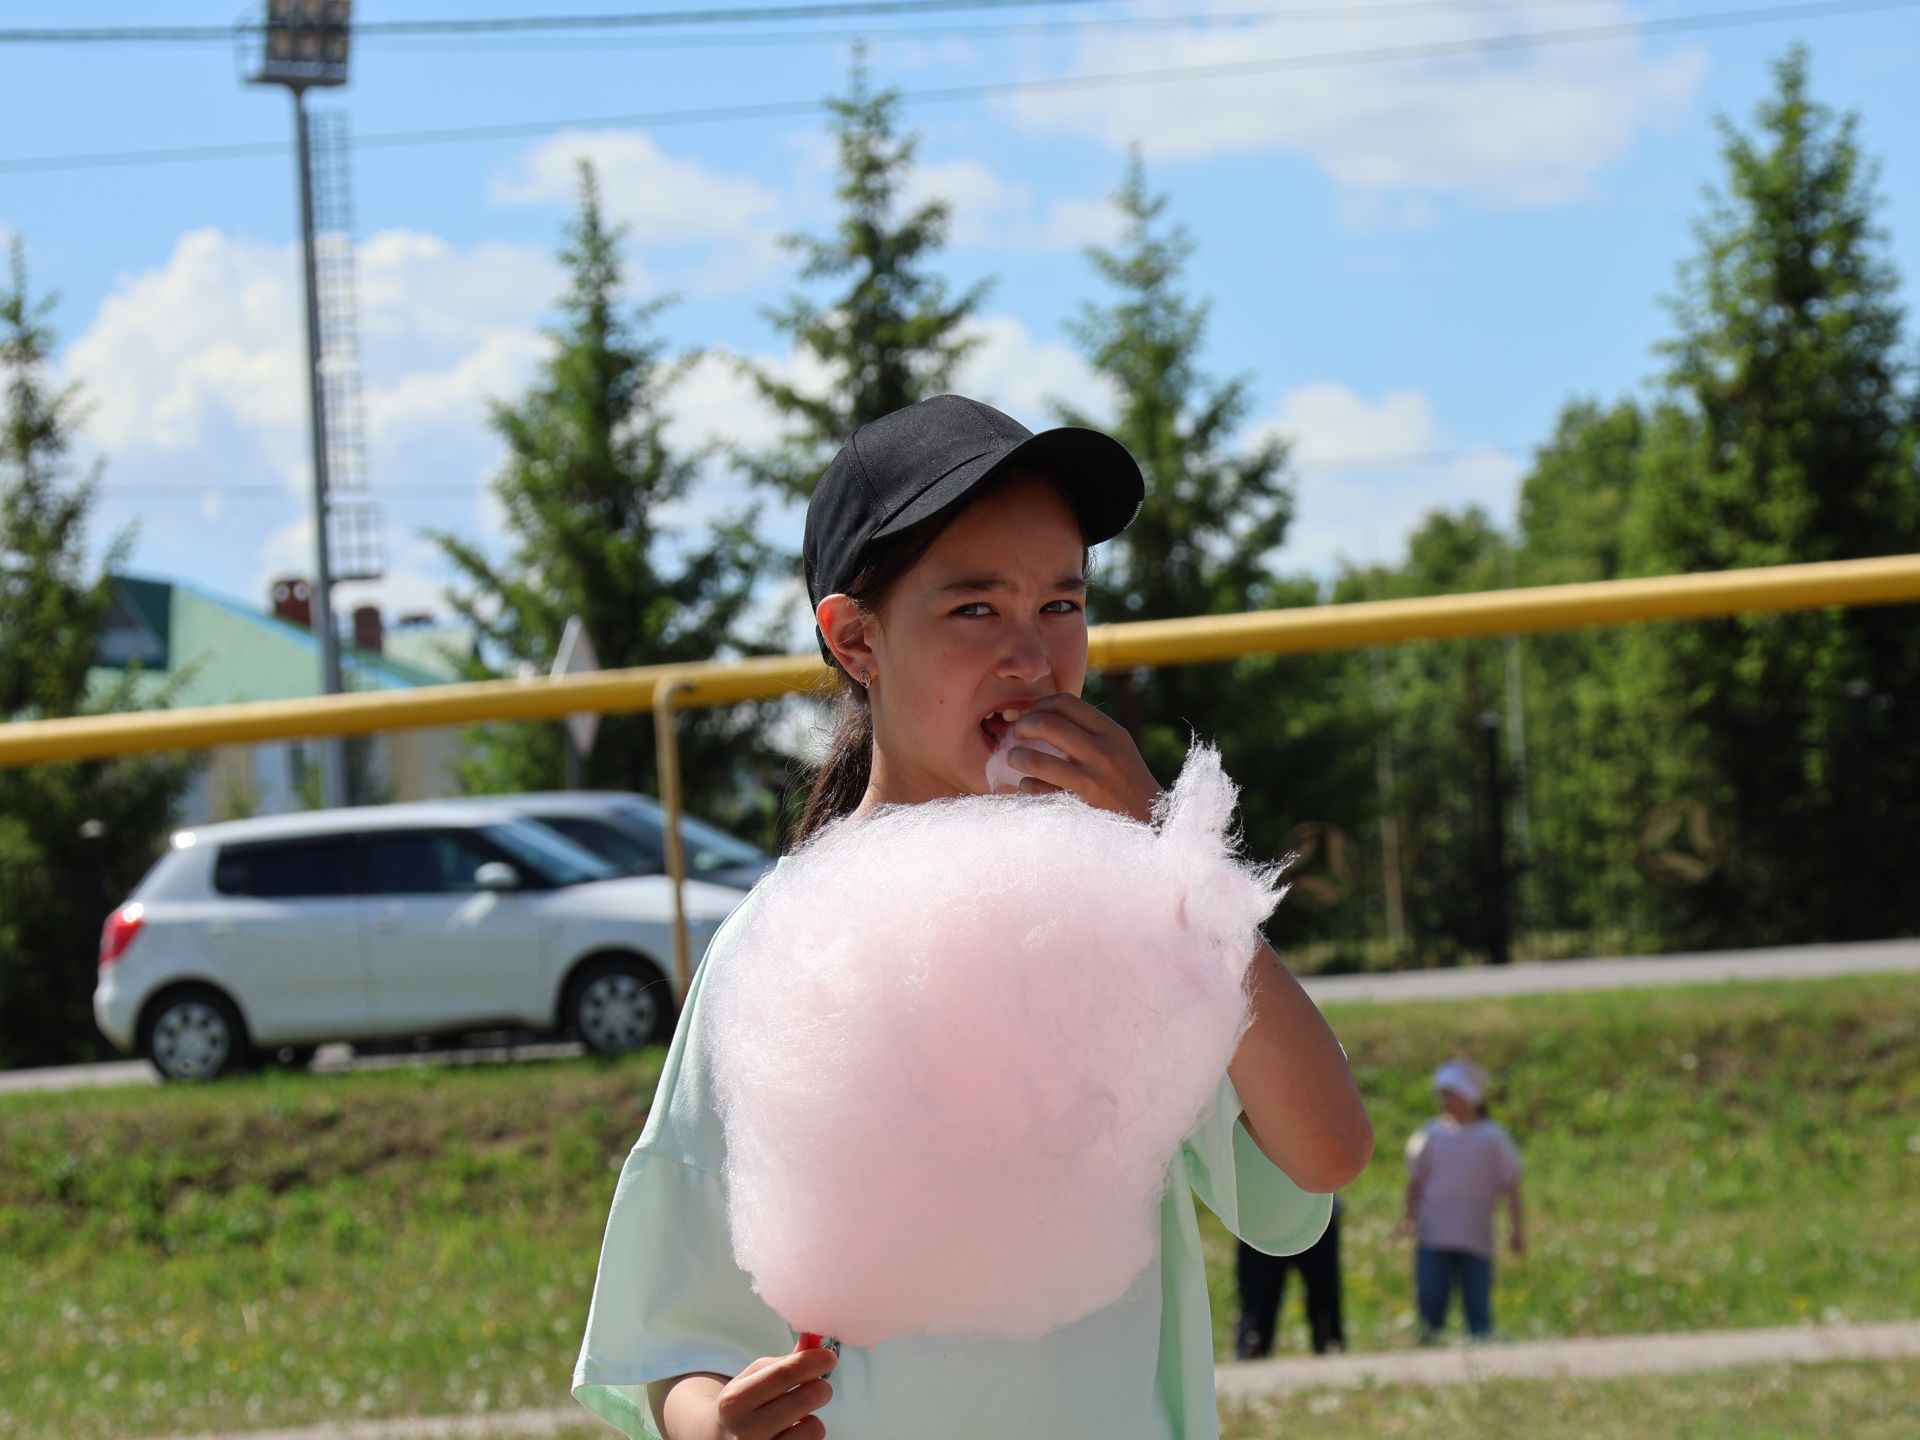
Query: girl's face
x=991 y=618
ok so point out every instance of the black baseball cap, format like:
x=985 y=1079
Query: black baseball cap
x=928 y=458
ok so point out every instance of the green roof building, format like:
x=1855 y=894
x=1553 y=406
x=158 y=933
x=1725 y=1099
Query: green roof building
x=189 y=647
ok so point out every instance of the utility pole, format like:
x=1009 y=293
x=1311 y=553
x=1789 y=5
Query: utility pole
x=302 y=44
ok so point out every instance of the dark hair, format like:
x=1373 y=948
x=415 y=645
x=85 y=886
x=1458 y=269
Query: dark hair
x=841 y=779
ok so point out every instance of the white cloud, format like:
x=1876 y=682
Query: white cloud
x=1361 y=491
x=990 y=212
x=215 y=336
x=666 y=203
x=197 y=374
x=1024 y=376
x=216 y=328
x=1519 y=126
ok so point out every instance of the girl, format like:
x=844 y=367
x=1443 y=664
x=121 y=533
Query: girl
x=945 y=557
x=1459 y=1163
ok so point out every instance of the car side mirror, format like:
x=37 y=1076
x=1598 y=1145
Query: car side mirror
x=497 y=875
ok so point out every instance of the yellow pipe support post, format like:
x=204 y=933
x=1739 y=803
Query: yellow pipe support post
x=666 y=743
x=1890 y=580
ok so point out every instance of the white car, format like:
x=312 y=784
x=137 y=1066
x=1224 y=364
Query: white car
x=386 y=922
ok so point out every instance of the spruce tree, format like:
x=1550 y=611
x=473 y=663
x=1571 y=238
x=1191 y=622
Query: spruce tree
x=1790 y=437
x=53 y=889
x=1216 y=512
x=890 y=333
x=587 y=478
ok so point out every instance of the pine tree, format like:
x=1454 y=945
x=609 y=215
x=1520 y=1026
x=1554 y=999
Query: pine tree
x=587 y=478
x=1791 y=437
x=52 y=891
x=892 y=334
x=1213 y=517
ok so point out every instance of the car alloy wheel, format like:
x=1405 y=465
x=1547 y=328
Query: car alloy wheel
x=192 y=1040
x=617 y=1011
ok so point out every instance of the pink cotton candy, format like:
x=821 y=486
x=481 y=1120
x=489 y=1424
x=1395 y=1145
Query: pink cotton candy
x=957 y=1044
x=1001 y=776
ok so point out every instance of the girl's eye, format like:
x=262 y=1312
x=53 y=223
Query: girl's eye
x=980 y=609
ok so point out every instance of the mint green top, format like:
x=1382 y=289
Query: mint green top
x=669 y=1299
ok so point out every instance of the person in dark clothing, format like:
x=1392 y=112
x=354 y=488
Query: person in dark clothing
x=1263 y=1286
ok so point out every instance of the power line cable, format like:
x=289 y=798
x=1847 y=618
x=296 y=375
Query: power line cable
x=1438 y=49
x=1071 y=25
x=506 y=24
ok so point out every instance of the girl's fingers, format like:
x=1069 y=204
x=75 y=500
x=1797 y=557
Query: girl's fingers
x=1076 y=712
x=766 y=1381
x=1031 y=786
x=788 y=1410
x=1039 y=765
x=1057 y=730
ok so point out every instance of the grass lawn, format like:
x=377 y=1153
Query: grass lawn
x=288 y=1248
x=1866 y=1401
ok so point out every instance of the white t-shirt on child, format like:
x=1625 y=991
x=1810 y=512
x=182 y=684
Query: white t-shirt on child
x=1460 y=1170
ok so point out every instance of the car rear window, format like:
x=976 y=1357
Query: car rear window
x=284 y=869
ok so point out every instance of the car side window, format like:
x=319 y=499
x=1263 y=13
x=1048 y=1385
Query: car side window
x=423 y=862
x=617 y=847
x=286 y=869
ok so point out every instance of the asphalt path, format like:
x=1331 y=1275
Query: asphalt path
x=1796 y=962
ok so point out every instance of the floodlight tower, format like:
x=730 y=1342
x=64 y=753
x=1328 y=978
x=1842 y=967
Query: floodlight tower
x=301 y=44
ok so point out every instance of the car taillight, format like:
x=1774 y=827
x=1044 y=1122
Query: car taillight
x=120 y=931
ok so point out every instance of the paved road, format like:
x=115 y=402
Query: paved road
x=1556 y=1359
x=1793 y=962
x=1560 y=976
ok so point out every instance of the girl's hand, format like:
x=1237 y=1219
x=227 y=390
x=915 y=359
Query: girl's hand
x=1517 y=1242
x=776 y=1396
x=1409 y=1227
x=1102 y=765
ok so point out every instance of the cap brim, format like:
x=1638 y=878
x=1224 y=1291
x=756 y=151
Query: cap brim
x=1101 y=479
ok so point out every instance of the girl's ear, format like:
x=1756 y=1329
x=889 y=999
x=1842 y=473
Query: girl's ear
x=844 y=624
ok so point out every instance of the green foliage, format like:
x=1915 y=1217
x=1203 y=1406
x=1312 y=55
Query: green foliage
x=588 y=477
x=1790 y=436
x=1433 y=698
x=1711 y=783
x=891 y=334
x=54 y=884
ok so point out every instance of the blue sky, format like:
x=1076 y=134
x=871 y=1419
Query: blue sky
x=1420 y=257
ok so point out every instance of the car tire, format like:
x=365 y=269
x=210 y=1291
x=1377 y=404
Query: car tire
x=194 y=1033
x=618 y=1003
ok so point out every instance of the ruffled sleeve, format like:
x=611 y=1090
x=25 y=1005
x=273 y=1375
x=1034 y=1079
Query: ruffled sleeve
x=668 y=1298
x=1253 y=1197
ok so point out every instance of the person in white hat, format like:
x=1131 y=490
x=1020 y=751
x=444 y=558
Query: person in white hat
x=1459 y=1165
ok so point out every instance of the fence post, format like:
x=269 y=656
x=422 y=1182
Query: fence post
x=666 y=744
x=1498 y=900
